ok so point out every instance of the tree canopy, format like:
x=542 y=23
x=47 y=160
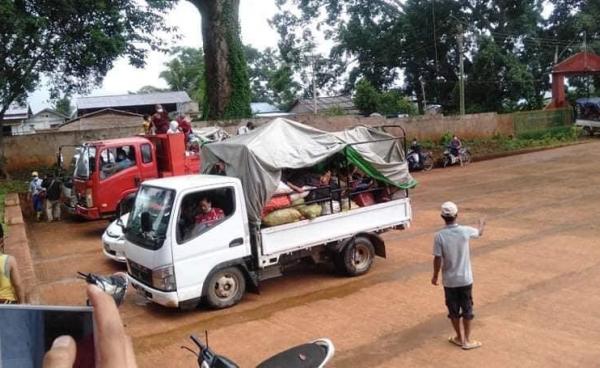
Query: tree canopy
x=509 y=48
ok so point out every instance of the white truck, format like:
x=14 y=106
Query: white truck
x=219 y=263
x=176 y=261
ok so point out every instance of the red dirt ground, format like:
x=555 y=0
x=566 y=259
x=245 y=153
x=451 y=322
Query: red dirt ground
x=535 y=271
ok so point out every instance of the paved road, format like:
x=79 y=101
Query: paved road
x=536 y=270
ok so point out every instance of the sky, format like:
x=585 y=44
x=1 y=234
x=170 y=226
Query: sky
x=254 y=16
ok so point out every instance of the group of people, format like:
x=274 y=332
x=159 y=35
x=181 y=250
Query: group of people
x=45 y=194
x=159 y=123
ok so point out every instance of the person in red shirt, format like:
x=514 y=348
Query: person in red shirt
x=208 y=214
x=160 y=120
x=185 y=125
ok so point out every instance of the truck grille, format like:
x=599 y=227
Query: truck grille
x=139 y=272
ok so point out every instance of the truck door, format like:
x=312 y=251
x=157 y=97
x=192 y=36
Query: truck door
x=118 y=174
x=148 y=167
x=210 y=230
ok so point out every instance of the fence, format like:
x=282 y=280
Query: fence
x=541 y=120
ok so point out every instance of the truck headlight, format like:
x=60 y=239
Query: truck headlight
x=163 y=278
x=89 y=201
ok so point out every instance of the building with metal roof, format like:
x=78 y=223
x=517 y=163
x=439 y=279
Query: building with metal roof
x=141 y=103
x=14 y=117
x=302 y=106
x=264 y=109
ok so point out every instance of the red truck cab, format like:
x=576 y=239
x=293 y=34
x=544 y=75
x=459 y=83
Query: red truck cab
x=108 y=172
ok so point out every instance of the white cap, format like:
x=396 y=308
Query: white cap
x=449 y=209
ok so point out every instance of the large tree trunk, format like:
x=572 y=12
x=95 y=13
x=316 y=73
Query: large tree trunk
x=226 y=75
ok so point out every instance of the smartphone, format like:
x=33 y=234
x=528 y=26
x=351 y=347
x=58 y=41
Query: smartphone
x=28 y=331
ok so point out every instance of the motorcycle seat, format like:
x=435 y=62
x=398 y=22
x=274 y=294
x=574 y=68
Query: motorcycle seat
x=301 y=356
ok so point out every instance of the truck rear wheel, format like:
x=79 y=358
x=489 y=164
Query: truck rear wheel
x=225 y=288
x=357 y=257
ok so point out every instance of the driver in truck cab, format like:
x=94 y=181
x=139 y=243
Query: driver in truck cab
x=208 y=215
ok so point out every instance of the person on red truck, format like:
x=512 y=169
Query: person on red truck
x=160 y=120
x=185 y=126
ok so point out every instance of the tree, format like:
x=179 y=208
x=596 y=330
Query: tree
x=72 y=43
x=366 y=98
x=227 y=87
x=147 y=89
x=63 y=105
x=185 y=72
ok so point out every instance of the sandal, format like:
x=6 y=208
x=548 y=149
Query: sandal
x=472 y=345
x=453 y=340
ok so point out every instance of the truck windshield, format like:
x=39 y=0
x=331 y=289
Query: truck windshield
x=86 y=161
x=158 y=203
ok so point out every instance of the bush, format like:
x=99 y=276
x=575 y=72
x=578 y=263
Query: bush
x=366 y=97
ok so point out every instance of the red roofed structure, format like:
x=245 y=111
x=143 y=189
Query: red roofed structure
x=578 y=64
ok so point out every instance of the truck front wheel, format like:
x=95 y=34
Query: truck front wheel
x=225 y=288
x=357 y=257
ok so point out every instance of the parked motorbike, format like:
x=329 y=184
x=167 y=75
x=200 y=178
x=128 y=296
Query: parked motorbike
x=463 y=158
x=114 y=285
x=419 y=160
x=314 y=354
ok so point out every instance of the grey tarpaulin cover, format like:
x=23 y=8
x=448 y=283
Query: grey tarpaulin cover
x=257 y=158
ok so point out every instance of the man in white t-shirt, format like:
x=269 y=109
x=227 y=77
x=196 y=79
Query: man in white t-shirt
x=452 y=255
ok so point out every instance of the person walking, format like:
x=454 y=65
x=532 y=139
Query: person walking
x=53 y=189
x=11 y=290
x=36 y=194
x=452 y=255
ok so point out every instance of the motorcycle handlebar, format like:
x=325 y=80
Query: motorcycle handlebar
x=197 y=342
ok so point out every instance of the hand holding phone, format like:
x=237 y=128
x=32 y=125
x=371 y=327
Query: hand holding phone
x=113 y=346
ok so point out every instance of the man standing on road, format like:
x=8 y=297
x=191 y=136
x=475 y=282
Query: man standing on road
x=53 y=189
x=36 y=192
x=452 y=255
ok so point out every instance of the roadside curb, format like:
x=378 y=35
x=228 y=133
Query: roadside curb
x=17 y=243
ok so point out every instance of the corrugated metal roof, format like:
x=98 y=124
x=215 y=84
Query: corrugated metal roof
x=17 y=111
x=98 y=102
x=263 y=107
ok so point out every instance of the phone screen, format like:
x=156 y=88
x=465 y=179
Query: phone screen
x=27 y=333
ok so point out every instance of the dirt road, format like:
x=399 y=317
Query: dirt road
x=536 y=276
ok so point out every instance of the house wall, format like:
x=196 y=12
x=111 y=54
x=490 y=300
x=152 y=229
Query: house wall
x=104 y=121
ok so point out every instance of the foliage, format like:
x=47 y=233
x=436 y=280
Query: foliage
x=72 y=43
x=185 y=72
x=366 y=98
x=63 y=106
x=334 y=111
x=509 y=49
x=239 y=102
x=148 y=89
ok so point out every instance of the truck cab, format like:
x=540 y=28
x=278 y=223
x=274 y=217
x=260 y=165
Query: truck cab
x=171 y=255
x=109 y=172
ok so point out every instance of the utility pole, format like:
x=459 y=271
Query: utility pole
x=314 y=83
x=462 y=69
x=422 y=80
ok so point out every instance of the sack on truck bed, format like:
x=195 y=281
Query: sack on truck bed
x=276 y=203
x=283 y=216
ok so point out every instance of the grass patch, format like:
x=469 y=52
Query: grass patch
x=9 y=186
x=501 y=143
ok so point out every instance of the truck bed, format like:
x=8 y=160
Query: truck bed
x=587 y=123
x=304 y=234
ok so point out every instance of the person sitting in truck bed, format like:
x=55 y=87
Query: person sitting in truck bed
x=325 y=187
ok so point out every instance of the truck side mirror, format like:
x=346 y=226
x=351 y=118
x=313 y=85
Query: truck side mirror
x=145 y=222
x=120 y=223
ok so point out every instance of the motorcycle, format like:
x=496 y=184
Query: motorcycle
x=315 y=354
x=419 y=160
x=463 y=158
x=114 y=285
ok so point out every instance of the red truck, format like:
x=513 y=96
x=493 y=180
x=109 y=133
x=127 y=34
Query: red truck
x=108 y=172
